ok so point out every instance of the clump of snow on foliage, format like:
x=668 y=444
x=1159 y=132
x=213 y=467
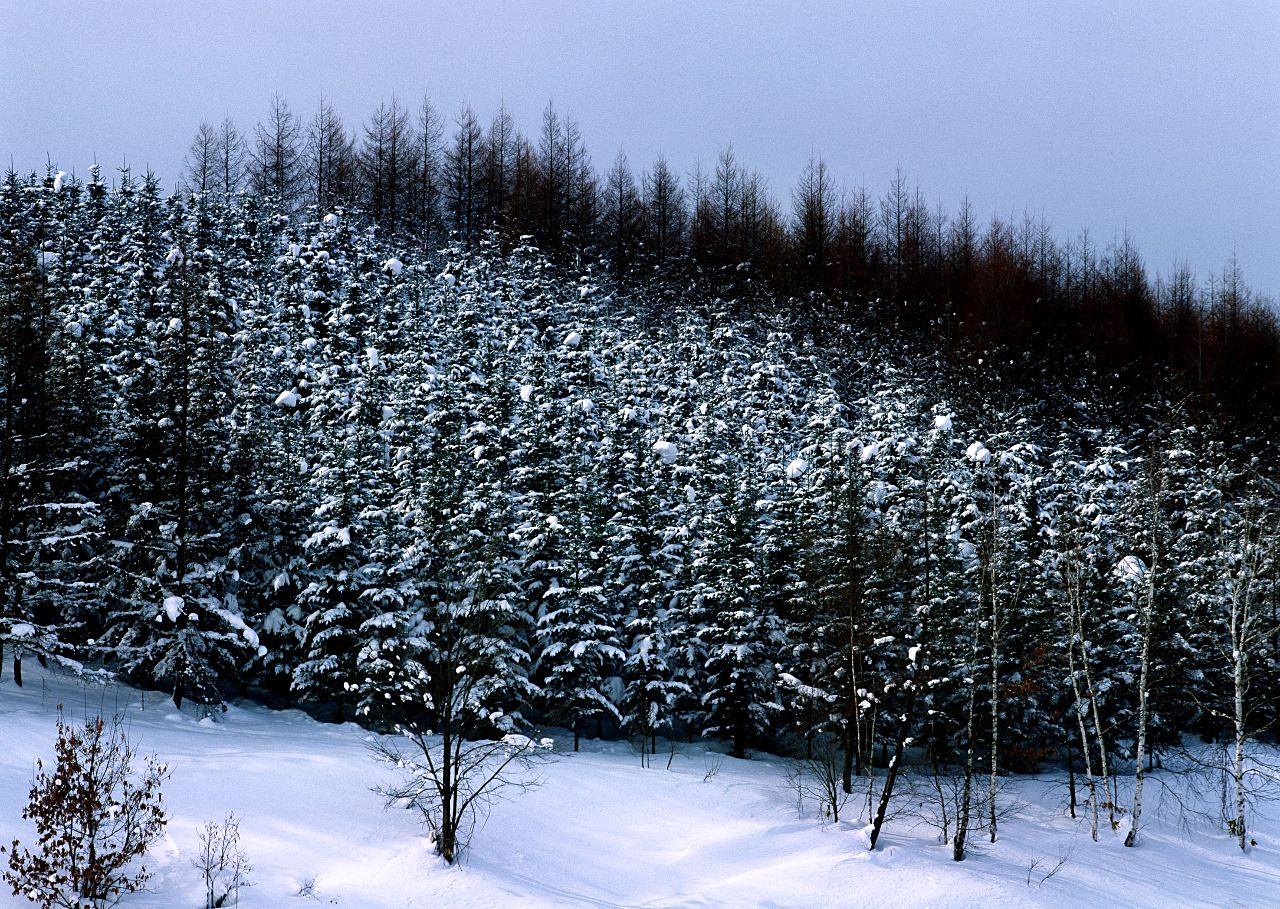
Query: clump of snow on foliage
x=668 y=451
x=1131 y=569
x=172 y=608
x=978 y=453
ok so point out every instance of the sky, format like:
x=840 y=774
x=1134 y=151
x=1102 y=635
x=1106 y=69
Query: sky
x=1157 y=118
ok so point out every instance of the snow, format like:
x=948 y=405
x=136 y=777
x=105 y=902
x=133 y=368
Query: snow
x=978 y=453
x=1131 y=569
x=47 y=259
x=572 y=339
x=942 y=423
x=287 y=398
x=393 y=267
x=57 y=181
x=797 y=468
x=174 y=257
x=599 y=830
x=173 y=608
x=22 y=630
x=526 y=393
x=331 y=219
x=667 y=451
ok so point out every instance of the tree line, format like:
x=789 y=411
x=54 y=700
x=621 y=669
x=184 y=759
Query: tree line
x=1007 y=287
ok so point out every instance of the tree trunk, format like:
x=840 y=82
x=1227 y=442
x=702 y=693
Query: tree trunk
x=1071 y=773
x=1141 y=770
x=1237 y=766
x=1078 y=708
x=995 y=720
x=846 y=771
x=962 y=816
x=900 y=741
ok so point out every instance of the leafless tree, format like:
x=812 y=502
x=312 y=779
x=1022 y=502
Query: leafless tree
x=231 y=158
x=386 y=164
x=203 y=160
x=223 y=865
x=276 y=161
x=428 y=177
x=329 y=159
x=663 y=211
x=818 y=777
x=451 y=782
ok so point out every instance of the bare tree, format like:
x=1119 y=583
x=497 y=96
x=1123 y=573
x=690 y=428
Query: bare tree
x=428 y=176
x=663 y=213
x=621 y=211
x=818 y=777
x=223 y=865
x=1236 y=577
x=329 y=159
x=275 y=166
x=203 y=159
x=813 y=205
x=464 y=170
x=499 y=165
x=1143 y=577
x=452 y=781
x=386 y=161
x=231 y=158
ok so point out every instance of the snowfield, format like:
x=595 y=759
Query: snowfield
x=599 y=830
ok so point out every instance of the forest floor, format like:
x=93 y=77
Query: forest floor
x=601 y=831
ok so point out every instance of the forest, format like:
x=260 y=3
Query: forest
x=433 y=425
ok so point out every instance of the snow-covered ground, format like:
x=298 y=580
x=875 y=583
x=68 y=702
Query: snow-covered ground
x=600 y=830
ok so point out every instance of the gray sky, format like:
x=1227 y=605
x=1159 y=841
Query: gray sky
x=1161 y=117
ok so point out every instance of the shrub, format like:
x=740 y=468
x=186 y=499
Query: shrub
x=222 y=863
x=96 y=814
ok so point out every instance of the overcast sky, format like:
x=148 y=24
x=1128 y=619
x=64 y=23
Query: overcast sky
x=1162 y=118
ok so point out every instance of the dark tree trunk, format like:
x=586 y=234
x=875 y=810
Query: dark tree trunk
x=846 y=774
x=1071 y=774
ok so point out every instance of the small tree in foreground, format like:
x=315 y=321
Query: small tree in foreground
x=222 y=863
x=452 y=784
x=96 y=813
x=819 y=778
